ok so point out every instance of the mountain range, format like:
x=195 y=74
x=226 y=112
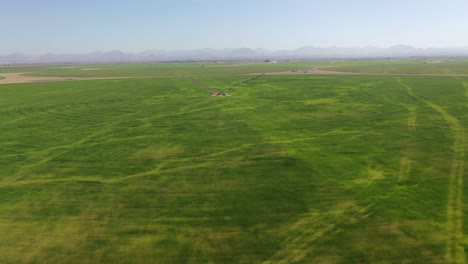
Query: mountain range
x=306 y=52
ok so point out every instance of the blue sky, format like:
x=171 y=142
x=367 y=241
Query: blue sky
x=61 y=26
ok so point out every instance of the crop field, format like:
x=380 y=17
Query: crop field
x=287 y=169
x=411 y=67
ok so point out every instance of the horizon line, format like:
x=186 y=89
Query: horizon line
x=237 y=48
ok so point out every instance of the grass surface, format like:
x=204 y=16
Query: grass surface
x=289 y=169
x=178 y=69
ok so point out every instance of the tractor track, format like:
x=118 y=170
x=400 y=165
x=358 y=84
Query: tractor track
x=197 y=82
x=455 y=252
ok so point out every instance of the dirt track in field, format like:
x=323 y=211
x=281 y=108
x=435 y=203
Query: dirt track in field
x=197 y=82
x=455 y=252
x=20 y=78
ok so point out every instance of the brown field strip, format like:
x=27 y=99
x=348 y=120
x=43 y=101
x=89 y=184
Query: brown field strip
x=20 y=78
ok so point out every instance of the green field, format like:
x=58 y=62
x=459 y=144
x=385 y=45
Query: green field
x=177 y=69
x=154 y=70
x=410 y=66
x=288 y=169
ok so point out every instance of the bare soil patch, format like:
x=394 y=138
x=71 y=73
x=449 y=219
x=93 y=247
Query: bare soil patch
x=20 y=78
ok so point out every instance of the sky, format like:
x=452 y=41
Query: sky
x=80 y=26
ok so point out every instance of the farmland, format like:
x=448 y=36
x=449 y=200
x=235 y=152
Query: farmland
x=287 y=169
x=412 y=67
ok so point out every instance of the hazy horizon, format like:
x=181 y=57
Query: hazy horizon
x=86 y=26
x=238 y=48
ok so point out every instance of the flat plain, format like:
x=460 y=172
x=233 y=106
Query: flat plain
x=287 y=169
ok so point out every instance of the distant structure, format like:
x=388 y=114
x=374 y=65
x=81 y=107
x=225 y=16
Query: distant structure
x=270 y=61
